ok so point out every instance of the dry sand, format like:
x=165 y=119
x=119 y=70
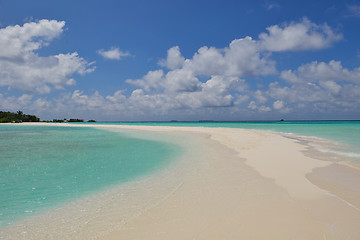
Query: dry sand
x=233 y=184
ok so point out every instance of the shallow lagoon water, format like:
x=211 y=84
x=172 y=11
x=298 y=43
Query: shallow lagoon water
x=345 y=133
x=42 y=167
x=339 y=130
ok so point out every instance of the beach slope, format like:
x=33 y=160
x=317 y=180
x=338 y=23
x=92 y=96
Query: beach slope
x=248 y=184
x=228 y=184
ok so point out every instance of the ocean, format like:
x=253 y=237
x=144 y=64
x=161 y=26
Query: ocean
x=329 y=140
x=42 y=167
x=345 y=133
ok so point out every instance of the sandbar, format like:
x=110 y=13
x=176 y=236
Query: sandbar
x=229 y=184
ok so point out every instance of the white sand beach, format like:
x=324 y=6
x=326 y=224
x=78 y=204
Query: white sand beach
x=229 y=184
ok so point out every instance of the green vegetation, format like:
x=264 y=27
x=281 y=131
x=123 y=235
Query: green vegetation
x=76 y=120
x=19 y=116
x=58 y=120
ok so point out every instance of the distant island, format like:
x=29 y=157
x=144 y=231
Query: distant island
x=19 y=116
x=69 y=120
x=65 y=120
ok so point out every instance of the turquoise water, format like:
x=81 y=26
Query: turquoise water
x=43 y=167
x=345 y=131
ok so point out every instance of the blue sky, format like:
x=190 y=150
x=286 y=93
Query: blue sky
x=184 y=60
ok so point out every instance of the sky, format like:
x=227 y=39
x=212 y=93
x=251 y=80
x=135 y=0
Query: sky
x=143 y=60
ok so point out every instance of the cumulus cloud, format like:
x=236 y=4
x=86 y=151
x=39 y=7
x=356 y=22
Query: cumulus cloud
x=181 y=80
x=278 y=105
x=296 y=36
x=212 y=93
x=217 y=77
x=174 y=59
x=91 y=102
x=16 y=41
x=9 y=103
x=114 y=53
x=252 y=105
x=212 y=82
x=220 y=71
x=318 y=96
x=22 y=68
x=321 y=71
x=152 y=80
x=241 y=58
x=320 y=86
x=260 y=97
x=41 y=105
x=25 y=102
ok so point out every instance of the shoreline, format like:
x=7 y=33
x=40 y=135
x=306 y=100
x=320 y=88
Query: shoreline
x=239 y=181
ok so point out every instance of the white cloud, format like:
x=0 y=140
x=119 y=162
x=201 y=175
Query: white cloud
x=91 y=102
x=241 y=99
x=213 y=82
x=242 y=58
x=319 y=96
x=113 y=54
x=221 y=66
x=152 y=80
x=331 y=86
x=24 y=69
x=303 y=35
x=25 y=103
x=264 y=109
x=9 y=103
x=320 y=86
x=321 y=71
x=260 y=96
x=174 y=58
x=253 y=106
x=319 y=82
x=181 y=80
x=278 y=105
x=181 y=86
x=290 y=77
x=118 y=97
x=24 y=99
x=181 y=89
x=16 y=41
x=40 y=105
x=272 y=5
x=212 y=77
x=213 y=93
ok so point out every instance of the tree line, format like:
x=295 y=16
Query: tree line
x=19 y=116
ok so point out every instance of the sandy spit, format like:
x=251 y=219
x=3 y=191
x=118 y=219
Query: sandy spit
x=237 y=184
